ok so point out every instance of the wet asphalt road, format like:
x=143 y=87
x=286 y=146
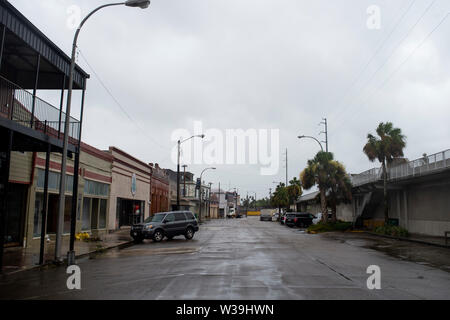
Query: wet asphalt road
x=243 y=259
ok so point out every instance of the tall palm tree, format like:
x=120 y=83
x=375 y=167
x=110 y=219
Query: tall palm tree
x=385 y=148
x=294 y=190
x=317 y=173
x=340 y=187
x=280 y=197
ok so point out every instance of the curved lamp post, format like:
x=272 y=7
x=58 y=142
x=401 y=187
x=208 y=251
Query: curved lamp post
x=309 y=137
x=200 y=194
x=178 y=165
x=71 y=254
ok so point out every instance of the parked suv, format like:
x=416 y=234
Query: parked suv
x=166 y=224
x=299 y=219
x=289 y=219
x=303 y=220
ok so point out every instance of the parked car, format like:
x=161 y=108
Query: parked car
x=275 y=216
x=318 y=217
x=303 y=219
x=283 y=218
x=289 y=219
x=266 y=215
x=166 y=224
x=231 y=213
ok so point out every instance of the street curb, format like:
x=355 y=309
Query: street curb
x=409 y=240
x=80 y=256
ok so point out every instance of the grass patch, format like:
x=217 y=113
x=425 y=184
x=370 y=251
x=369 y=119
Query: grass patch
x=330 y=227
x=392 y=231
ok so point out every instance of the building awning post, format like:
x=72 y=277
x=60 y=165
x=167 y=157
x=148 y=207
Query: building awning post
x=4 y=196
x=36 y=81
x=45 y=206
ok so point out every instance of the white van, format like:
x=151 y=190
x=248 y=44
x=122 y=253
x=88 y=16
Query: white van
x=266 y=215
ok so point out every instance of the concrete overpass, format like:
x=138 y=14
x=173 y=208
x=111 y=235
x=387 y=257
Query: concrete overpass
x=418 y=190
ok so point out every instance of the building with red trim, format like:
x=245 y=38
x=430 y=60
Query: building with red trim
x=27 y=176
x=130 y=190
x=159 y=190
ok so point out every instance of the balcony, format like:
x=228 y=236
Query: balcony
x=20 y=106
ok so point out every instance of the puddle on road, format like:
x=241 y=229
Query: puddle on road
x=142 y=250
x=418 y=253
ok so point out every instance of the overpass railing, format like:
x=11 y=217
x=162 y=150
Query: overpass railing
x=419 y=167
x=422 y=166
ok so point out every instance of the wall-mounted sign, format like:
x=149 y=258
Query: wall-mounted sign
x=133 y=184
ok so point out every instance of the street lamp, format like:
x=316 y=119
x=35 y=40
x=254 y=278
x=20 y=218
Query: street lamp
x=178 y=165
x=71 y=254
x=200 y=194
x=309 y=137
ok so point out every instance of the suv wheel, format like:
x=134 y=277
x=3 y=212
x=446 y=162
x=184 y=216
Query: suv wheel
x=189 y=233
x=158 y=236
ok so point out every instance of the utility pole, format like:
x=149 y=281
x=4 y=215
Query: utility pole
x=209 y=200
x=325 y=124
x=184 y=180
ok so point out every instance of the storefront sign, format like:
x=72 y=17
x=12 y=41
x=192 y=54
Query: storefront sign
x=133 y=184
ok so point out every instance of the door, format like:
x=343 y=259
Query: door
x=180 y=222
x=170 y=224
x=15 y=214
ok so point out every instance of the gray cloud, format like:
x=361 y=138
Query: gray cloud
x=258 y=64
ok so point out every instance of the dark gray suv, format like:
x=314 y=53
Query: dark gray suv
x=165 y=224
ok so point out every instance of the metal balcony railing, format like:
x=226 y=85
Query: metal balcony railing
x=369 y=176
x=20 y=106
x=419 y=167
x=422 y=166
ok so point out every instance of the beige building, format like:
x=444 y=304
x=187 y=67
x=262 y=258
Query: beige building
x=130 y=191
x=27 y=179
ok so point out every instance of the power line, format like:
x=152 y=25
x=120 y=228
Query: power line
x=339 y=123
x=118 y=103
x=391 y=76
x=347 y=91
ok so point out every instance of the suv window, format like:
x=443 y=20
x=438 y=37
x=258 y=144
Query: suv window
x=169 y=217
x=189 y=215
x=179 y=216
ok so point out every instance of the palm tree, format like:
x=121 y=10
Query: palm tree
x=340 y=187
x=385 y=148
x=317 y=173
x=294 y=190
x=280 y=197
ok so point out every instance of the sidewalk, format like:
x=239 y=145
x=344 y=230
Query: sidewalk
x=18 y=259
x=429 y=240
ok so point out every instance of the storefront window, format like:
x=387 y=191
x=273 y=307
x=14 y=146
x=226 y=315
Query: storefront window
x=38 y=207
x=94 y=214
x=67 y=213
x=102 y=216
x=94 y=188
x=86 y=218
x=53 y=181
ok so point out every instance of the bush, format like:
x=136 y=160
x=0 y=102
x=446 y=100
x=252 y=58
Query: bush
x=330 y=227
x=392 y=231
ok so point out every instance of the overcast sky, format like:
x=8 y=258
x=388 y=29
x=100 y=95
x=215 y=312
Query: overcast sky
x=260 y=64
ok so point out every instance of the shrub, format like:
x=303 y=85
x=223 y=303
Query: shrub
x=394 y=231
x=330 y=227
